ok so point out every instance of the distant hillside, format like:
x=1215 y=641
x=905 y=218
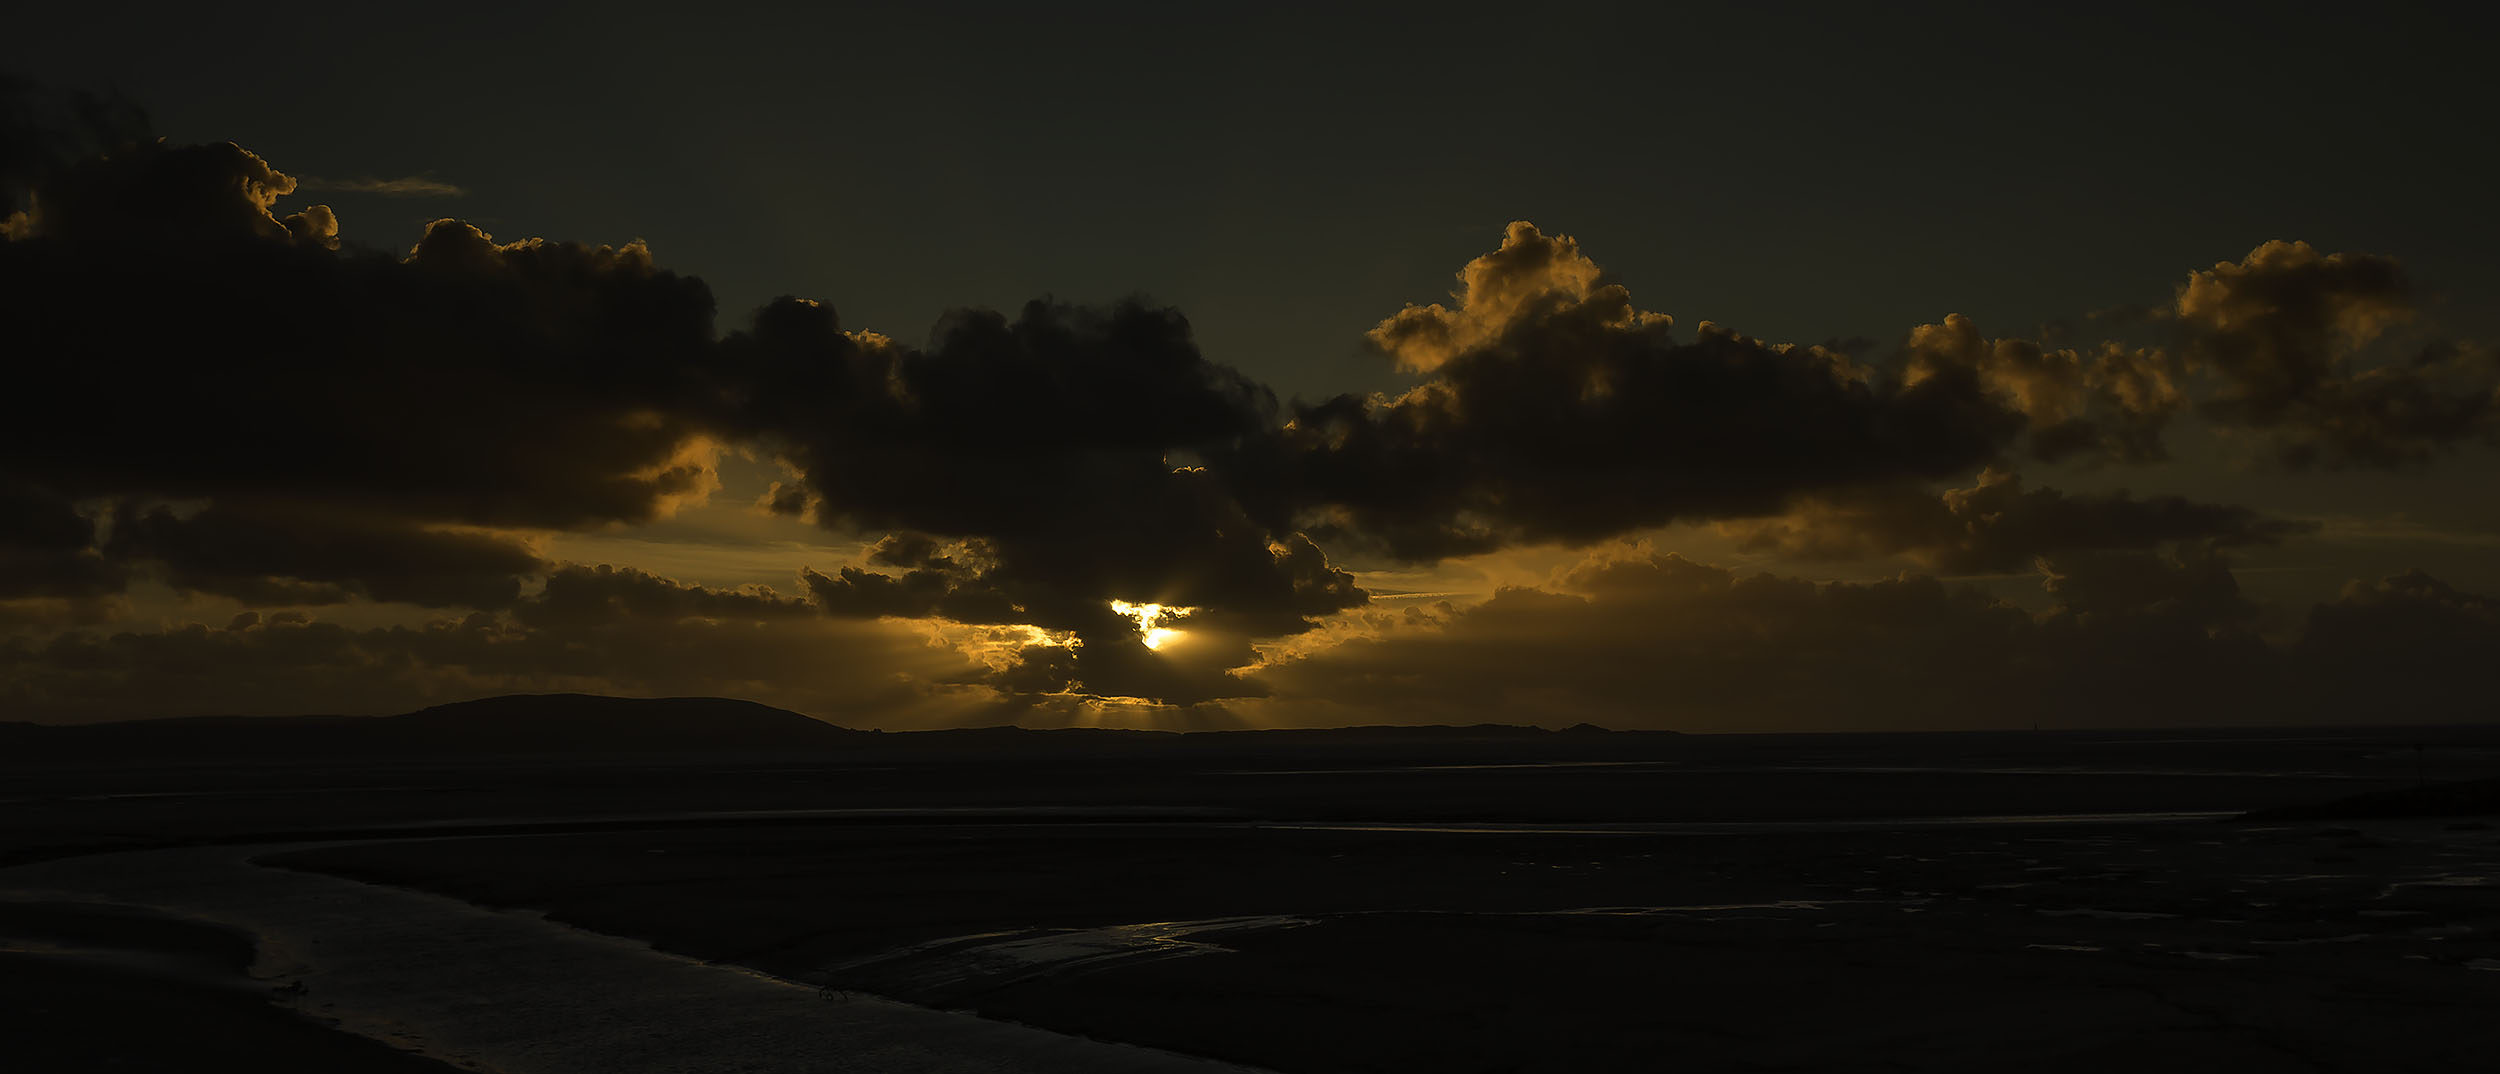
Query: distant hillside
x=555 y=725
x=517 y=725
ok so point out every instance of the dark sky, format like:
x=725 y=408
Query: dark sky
x=1284 y=171
x=1288 y=178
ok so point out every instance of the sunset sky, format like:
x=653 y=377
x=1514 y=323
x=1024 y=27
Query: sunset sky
x=1709 y=367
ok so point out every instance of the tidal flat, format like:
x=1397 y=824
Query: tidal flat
x=1798 y=902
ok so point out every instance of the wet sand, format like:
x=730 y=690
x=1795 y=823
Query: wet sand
x=1804 y=903
x=86 y=987
x=511 y=992
x=2177 y=946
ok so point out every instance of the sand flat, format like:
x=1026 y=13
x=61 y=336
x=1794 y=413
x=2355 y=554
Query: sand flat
x=511 y=992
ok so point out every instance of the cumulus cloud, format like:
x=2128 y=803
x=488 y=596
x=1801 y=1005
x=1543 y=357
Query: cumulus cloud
x=150 y=195
x=370 y=422
x=1050 y=452
x=267 y=416
x=1554 y=411
x=531 y=384
x=1532 y=276
x=2105 y=403
x=2282 y=332
x=235 y=397
x=2277 y=323
x=44 y=131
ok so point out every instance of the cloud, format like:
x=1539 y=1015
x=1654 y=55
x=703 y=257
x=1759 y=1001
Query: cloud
x=2407 y=648
x=48 y=549
x=243 y=401
x=151 y=195
x=2135 y=639
x=2190 y=585
x=287 y=553
x=406 y=186
x=576 y=595
x=2276 y=324
x=342 y=424
x=1531 y=277
x=44 y=131
x=1997 y=525
x=1049 y=453
x=380 y=416
x=523 y=384
x=601 y=630
x=2282 y=333
x=1553 y=410
x=1659 y=641
x=2107 y=403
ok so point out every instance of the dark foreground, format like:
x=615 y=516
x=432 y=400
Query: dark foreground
x=1770 y=905
x=2189 y=946
x=88 y=987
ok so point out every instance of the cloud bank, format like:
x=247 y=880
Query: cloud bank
x=232 y=400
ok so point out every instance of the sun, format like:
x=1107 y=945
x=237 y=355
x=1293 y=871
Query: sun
x=1150 y=618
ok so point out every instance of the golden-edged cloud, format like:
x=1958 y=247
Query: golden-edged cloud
x=297 y=420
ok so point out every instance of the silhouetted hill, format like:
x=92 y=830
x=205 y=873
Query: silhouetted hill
x=558 y=722
x=543 y=725
x=521 y=724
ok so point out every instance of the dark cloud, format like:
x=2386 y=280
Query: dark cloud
x=260 y=409
x=585 y=596
x=270 y=417
x=2276 y=325
x=2403 y=649
x=598 y=630
x=44 y=131
x=2106 y=403
x=945 y=591
x=1554 y=410
x=149 y=195
x=2135 y=639
x=281 y=553
x=356 y=422
x=177 y=340
x=406 y=186
x=1658 y=641
x=1051 y=451
x=1997 y=525
x=48 y=549
x=2191 y=585
x=2282 y=333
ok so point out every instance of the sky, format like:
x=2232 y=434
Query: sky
x=1707 y=367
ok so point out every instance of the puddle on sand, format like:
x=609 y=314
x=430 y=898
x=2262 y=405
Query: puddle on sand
x=1741 y=827
x=956 y=967
x=1654 y=911
x=990 y=960
x=2108 y=915
x=2451 y=880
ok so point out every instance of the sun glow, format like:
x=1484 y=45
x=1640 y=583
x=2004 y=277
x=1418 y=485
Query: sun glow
x=1150 y=618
